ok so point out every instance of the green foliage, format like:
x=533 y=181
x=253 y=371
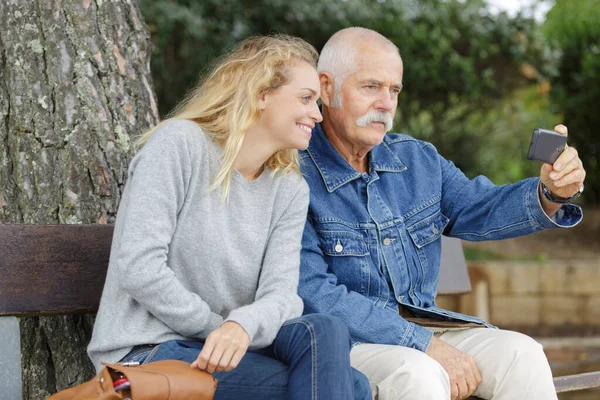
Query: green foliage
x=492 y=141
x=471 y=79
x=449 y=48
x=461 y=63
x=573 y=27
x=188 y=35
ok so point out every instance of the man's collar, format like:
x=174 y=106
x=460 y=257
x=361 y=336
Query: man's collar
x=336 y=171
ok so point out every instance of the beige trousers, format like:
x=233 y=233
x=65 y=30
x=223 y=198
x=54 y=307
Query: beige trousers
x=513 y=367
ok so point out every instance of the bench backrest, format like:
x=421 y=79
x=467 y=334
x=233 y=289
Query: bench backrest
x=52 y=269
x=60 y=269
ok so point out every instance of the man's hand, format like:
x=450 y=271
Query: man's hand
x=464 y=374
x=223 y=349
x=565 y=177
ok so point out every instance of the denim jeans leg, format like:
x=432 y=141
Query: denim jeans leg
x=316 y=348
x=257 y=377
x=140 y=354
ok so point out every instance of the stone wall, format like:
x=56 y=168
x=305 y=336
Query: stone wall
x=541 y=298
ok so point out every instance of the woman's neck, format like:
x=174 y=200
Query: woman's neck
x=253 y=155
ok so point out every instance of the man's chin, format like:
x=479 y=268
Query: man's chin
x=375 y=133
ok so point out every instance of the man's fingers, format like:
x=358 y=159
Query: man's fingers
x=568 y=156
x=476 y=372
x=574 y=165
x=546 y=170
x=471 y=386
x=454 y=391
x=463 y=388
x=577 y=176
x=560 y=128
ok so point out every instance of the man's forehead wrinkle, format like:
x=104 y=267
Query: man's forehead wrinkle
x=369 y=72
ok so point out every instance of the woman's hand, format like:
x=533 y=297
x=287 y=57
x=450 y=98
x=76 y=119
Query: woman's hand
x=223 y=349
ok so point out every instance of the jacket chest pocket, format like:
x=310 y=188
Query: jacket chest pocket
x=425 y=235
x=347 y=256
x=428 y=230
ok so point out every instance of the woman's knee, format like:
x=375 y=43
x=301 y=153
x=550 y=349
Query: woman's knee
x=323 y=327
x=325 y=322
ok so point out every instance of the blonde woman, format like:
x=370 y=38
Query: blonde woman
x=205 y=254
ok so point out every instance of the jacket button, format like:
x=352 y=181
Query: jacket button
x=435 y=229
x=387 y=241
x=339 y=247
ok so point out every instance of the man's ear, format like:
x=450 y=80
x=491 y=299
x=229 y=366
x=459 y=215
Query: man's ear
x=327 y=88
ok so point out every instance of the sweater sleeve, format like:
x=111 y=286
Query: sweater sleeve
x=277 y=297
x=156 y=190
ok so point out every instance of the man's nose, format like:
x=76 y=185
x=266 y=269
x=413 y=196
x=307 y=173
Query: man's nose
x=386 y=101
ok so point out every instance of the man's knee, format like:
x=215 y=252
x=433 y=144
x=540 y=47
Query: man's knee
x=400 y=372
x=519 y=347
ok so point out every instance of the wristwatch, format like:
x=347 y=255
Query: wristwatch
x=559 y=200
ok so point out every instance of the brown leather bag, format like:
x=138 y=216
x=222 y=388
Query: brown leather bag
x=160 y=380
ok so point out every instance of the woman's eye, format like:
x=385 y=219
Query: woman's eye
x=306 y=99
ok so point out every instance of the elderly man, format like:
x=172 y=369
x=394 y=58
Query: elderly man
x=371 y=247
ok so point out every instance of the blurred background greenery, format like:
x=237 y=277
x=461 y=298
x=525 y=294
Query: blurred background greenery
x=476 y=81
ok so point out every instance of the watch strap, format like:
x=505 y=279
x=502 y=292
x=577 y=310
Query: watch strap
x=556 y=199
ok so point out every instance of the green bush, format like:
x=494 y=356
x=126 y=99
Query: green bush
x=573 y=28
x=473 y=82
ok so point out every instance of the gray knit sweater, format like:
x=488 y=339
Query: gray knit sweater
x=182 y=262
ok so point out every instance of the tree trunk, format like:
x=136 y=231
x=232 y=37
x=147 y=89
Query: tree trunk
x=75 y=87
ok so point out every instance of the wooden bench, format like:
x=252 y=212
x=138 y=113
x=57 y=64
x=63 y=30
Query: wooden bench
x=60 y=269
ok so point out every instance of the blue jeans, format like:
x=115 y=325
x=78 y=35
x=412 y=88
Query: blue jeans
x=309 y=359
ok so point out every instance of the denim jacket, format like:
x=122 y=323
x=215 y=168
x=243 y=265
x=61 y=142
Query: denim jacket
x=372 y=241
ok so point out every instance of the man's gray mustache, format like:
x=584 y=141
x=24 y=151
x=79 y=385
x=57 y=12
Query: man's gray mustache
x=376 y=116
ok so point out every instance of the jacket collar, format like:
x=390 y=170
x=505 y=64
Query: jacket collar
x=336 y=172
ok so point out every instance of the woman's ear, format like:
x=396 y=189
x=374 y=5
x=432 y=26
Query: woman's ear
x=263 y=99
x=327 y=88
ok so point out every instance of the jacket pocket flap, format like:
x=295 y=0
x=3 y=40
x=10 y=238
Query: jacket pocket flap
x=428 y=230
x=340 y=243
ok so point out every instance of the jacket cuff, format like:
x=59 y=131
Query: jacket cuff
x=416 y=337
x=567 y=216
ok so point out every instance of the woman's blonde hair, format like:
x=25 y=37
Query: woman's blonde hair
x=226 y=104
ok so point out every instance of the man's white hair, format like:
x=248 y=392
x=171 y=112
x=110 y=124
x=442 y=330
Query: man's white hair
x=339 y=57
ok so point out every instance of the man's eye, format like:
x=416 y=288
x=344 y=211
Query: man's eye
x=396 y=91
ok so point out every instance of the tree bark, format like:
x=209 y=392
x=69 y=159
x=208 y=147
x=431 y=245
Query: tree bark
x=75 y=88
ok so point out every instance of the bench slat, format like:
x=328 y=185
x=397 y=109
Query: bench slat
x=571 y=383
x=52 y=269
